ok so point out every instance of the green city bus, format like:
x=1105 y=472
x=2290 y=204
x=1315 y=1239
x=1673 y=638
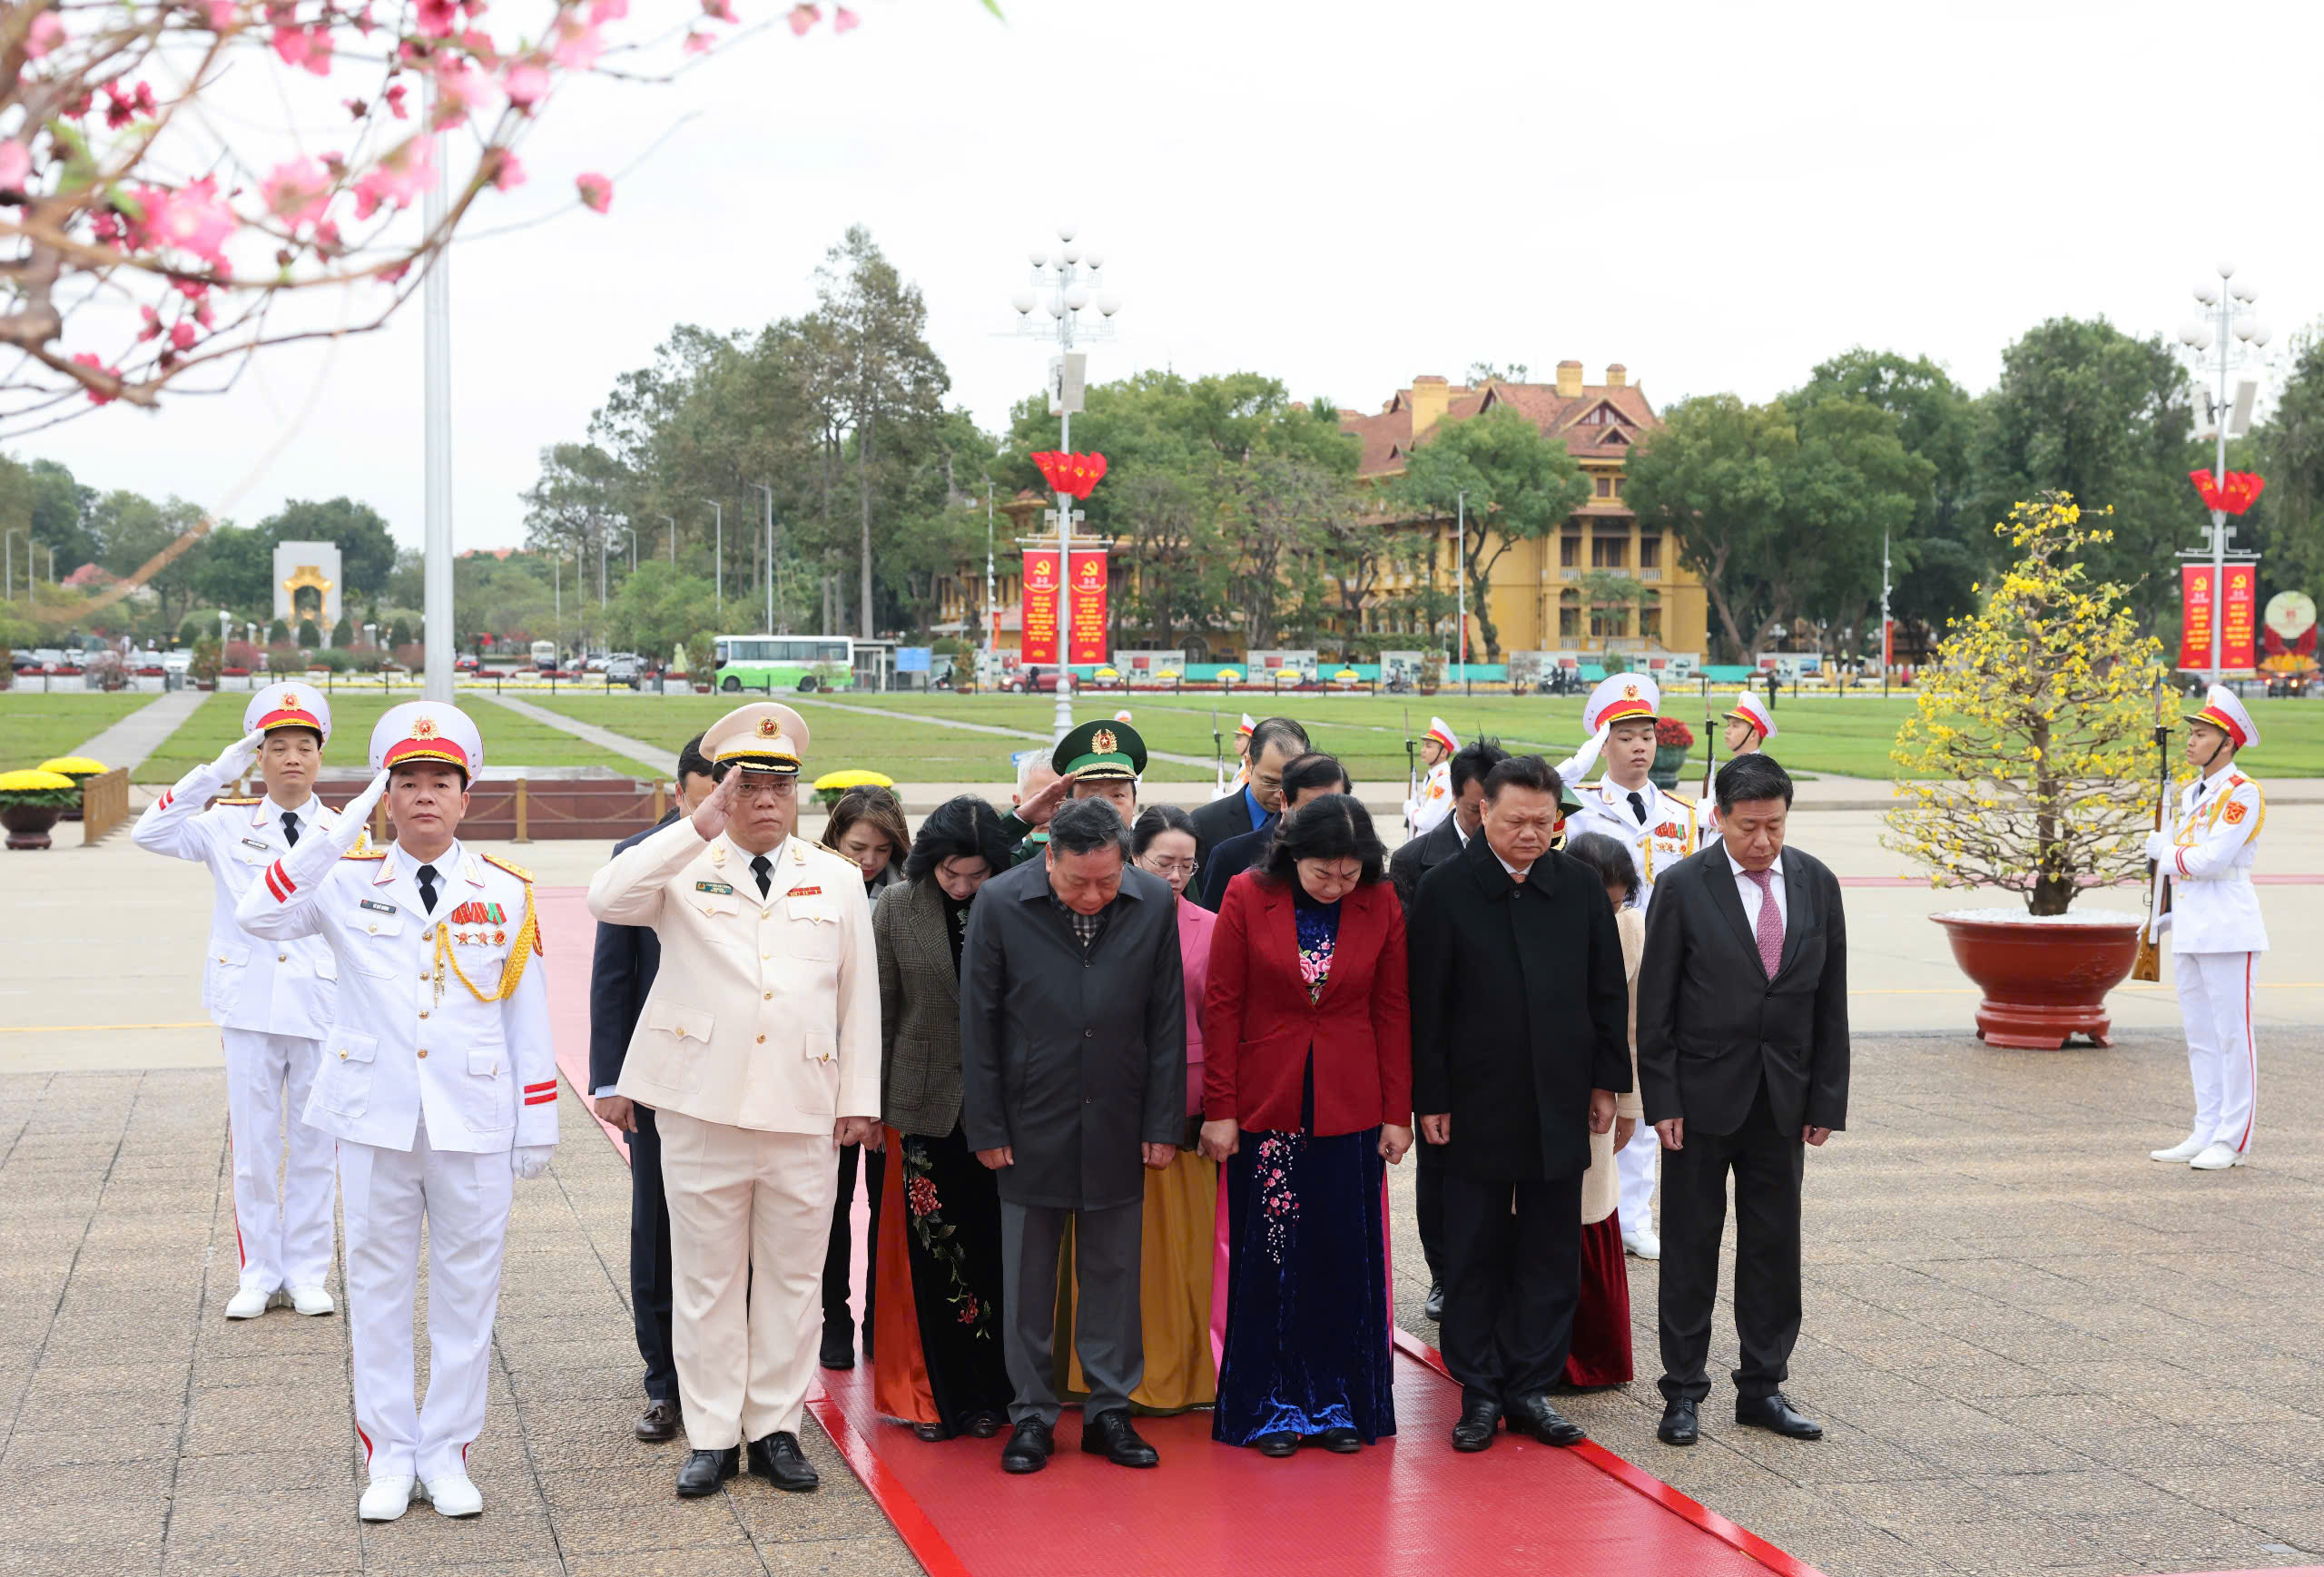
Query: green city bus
x=785 y=662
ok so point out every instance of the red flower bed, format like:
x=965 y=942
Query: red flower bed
x=1669 y=731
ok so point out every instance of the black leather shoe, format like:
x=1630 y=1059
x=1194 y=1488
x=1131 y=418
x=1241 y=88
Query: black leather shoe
x=932 y=1433
x=1433 y=1308
x=779 y=1461
x=984 y=1425
x=1110 y=1436
x=1535 y=1416
x=1774 y=1411
x=703 y=1471
x=1679 y=1426
x=1478 y=1418
x=658 y=1423
x=1028 y=1448
x=1282 y=1442
x=1344 y=1442
x=839 y=1347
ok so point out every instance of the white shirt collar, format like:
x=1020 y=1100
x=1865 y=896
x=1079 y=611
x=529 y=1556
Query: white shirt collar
x=1516 y=871
x=1457 y=830
x=2217 y=777
x=276 y=809
x=1736 y=865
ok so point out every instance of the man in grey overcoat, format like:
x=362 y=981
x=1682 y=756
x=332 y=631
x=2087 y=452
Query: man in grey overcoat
x=1073 y=1056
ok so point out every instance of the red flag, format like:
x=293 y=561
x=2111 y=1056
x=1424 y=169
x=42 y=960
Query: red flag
x=1076 y=476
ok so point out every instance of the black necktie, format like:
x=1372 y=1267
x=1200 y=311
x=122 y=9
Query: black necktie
x=1638 y=807
x=291 y=827
x=2200 y=784
x=762 y=868
x=427 y=888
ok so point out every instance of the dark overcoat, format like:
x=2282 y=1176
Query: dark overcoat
x=1520 y=1009
x=1073 y=1059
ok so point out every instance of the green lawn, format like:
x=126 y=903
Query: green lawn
x=508 y=739
x=34 y=727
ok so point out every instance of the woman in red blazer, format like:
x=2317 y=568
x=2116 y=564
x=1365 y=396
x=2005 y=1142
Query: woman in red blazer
x=1307 y=1092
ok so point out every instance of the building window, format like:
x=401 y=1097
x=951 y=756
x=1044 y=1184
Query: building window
x=1569 y=552
x=1569 y=620
x=1610 y=621
x=1649 y=622
x=1605 y=486
x=1610 y=552
x=1618 y=486
x=1650 y=550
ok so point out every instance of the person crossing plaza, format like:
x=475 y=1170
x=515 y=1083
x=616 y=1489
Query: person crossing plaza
x=2217 y=936
x=438 y=1081
x=269 y=1002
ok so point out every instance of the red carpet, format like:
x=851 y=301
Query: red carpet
x=1410 y=1504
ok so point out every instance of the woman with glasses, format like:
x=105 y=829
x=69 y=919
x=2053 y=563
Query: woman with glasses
x=1307 y=1090
x=937 y=1364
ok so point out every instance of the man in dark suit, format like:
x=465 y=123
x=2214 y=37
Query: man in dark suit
x=1307 y=777
x=1415 y=859
x=620 y=975
x=1274 y=741
x=1073 y=1072
x=1743 y=1062
x=1521 y=1042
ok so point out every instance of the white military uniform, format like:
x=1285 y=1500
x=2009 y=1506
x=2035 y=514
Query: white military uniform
x=438 y=1067
x=761 y=1032
x=1226 y=785
x=270 y=1001
x=2217 y=935
x=1432 y=800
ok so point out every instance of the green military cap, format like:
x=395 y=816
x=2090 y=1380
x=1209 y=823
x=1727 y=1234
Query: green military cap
x=1100 y=750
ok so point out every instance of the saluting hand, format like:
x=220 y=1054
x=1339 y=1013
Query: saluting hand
x=1037 y=811
x=710 y=816
x=357 y=814
x=236 y=758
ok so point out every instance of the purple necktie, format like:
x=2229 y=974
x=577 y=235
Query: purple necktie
x=1770 y=932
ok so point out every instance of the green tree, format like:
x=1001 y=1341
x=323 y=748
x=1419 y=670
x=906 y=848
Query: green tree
x=342 y=634
x=236 y=570
x=60 y=516
x=2289 y=450
x=308 y=636
x=160 y=542
x=2084 y=408
x=1519 y=484
x=659 y=606
x=367 y=550
x=399 y=633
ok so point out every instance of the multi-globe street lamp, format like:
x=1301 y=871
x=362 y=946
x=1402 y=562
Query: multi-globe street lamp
x=2228 y=338
x=1068 y=283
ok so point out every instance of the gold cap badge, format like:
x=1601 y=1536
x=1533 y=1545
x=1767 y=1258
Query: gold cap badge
x=423 y=728
x=1103 y=742
x=768 y=727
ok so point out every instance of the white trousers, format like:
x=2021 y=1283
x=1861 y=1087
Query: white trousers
x=750 y=1221
x=464 y=1198
x=2215 y=1001
x=283 y=1241
x=1635 y=1164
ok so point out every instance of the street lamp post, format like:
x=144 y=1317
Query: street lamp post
x=718 y=551
x=2228 y=318
x=1068 y=282
x=1461 y=580
x=673 y=520
x=1884 y=614
x=8 y=573
x=436 y=376
x=768 y=489
x=991 y=619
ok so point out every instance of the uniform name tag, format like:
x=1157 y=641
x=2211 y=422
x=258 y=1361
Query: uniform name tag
x=721 y=888
x=804 y=893
x=254 y=844
x=377 y=907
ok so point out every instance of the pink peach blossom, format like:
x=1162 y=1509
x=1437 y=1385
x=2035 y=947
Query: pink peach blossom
x=402 y=174
x=803 y=18
x=596 y=192
x=221 y=14
x=395 y=97
x=578 y=44
x=697 y=43
x=308 y=48
x=296 y=193
x=15 y=166
x=182 y=335
x=95 y=363
x=437 y=17
x=509 y=173
x=152 y=329
x=603 y=11
x=723 y=10
x=844 y=21
x=526 y=84
x=194 y=219
x=45 y=33
x=460 y=91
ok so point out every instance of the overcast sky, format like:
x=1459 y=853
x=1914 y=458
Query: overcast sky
x=1342 y=193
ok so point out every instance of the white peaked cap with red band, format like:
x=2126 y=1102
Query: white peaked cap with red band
x=294 y=704
x=427 y=731
x=1619 y=697
x=2224 y=711
x=1750 y=709
x=1249 y=722
x=1442 y=732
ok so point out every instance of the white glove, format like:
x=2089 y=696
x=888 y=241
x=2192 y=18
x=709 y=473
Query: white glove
x=235 y=760
x=357 y=814
x=531 y=1160
x=2158 y=846
x=1587 y=756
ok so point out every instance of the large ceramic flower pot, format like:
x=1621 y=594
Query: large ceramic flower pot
x=2045 y=979
x=1669 y=759
x=28 y=825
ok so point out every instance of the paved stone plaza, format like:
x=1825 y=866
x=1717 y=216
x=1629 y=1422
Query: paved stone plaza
x=2034 y=1349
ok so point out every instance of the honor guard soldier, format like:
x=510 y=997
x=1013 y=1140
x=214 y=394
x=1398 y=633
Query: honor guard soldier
x=1105 y=761
x=437 y=1078
x=1659 y=829
x=1242 y=759
x=758 y=1050
x=2216 y=933
x=1749 y=726
x=1432 y=802
x=269 y=999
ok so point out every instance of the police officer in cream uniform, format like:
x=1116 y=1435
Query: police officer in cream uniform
x=269 y=999
x=2216 y=933
x=758 y=1050
x=1659 y=829
x=438 y=1080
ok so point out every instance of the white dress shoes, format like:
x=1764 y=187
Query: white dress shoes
x=2186 y=1150
x=1644 y=1242
x=455 y=1497
x=385 y=1499
x=313 y=1300
x=2217 y=1157
x=248 y=1303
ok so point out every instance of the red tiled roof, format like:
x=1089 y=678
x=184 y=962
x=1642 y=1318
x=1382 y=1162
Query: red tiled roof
x=1388 y=436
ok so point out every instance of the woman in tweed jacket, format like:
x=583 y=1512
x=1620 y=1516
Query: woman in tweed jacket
x=937 y=1364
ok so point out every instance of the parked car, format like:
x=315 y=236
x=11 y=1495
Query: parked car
x=624 y=668
x=465 y=663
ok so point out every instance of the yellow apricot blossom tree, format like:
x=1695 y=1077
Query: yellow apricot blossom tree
x=2028 y=764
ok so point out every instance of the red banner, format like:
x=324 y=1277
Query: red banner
x=1036 y=642
x=1087 y=631
x=2239 y=634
